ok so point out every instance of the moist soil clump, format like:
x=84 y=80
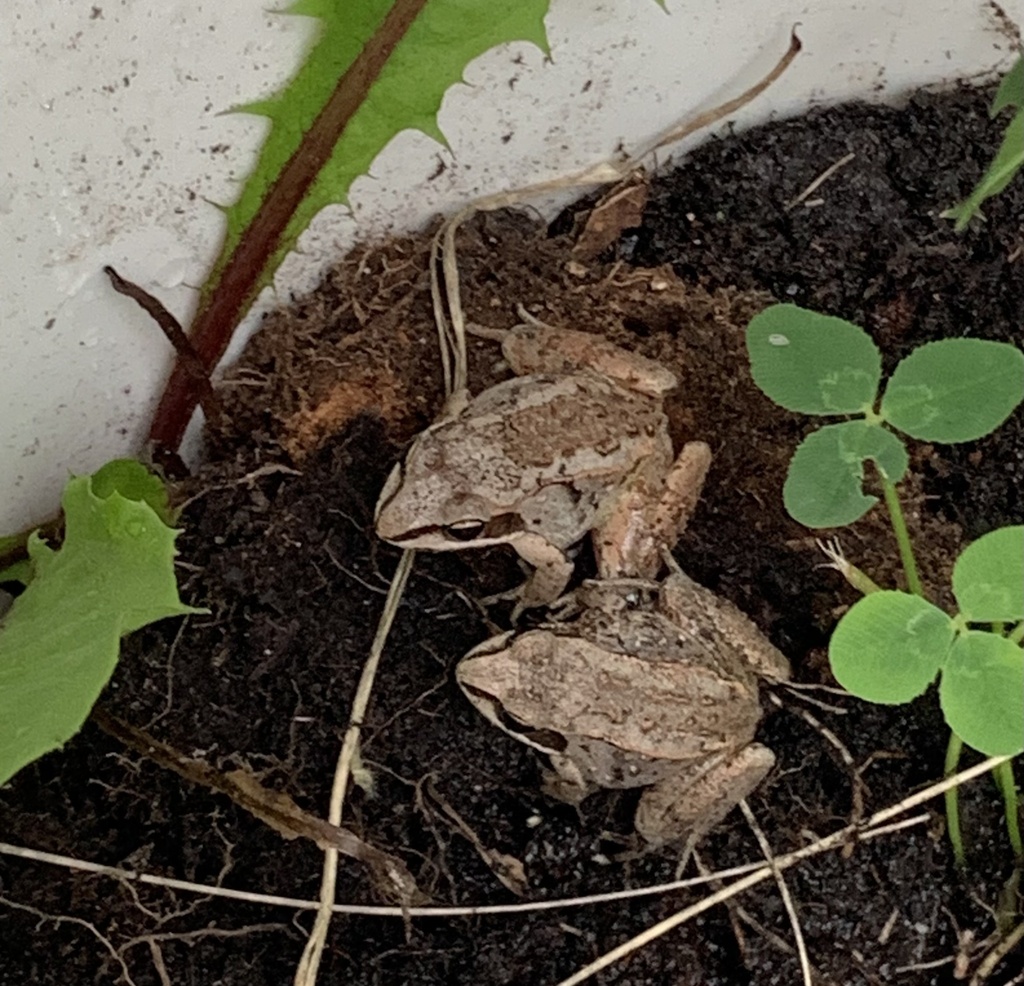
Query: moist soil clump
x=279 y=545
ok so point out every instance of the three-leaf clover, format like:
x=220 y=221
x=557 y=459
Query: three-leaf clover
x=890 y=646
x=952 y=390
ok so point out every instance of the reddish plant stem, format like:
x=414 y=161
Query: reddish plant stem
x=240 y=279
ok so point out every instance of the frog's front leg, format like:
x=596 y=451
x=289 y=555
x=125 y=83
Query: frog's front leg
x=649 y=514
x=688 y=805
x=551 y=573
x=565 y=781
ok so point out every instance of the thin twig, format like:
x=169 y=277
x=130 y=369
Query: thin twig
x=719 y=112
x=607 y=171
x=191 y=361
x=273 y=808
x=856 y=781
x=1001 y=950
x=68 y=919
x=820 y=180
x=440 y=318
x=737 y=914
x=376 y=910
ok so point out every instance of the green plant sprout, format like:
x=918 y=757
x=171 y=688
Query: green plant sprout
x=1010 y=156
x=59 y=642
x=892 y=645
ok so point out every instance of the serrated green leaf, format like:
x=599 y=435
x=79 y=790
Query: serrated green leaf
x=824 y=484
x=954 y=390
x=431 y=55
x=988 y=577
x=889 y=646
x=1011 y=89
x=982 y=693
x=813 y=363
x=134 y=481
x=378 y=67
x=1005 y=165
x=59 y=642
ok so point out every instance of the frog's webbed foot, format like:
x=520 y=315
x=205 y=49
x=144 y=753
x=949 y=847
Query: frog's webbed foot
x=514 y=596
x=548 y=574
x=535 y=347
x=524 y=601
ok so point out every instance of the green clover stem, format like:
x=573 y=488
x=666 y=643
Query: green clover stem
x=1008 y=787
x=899 y=526
x=953 y=751
x=1016 y=635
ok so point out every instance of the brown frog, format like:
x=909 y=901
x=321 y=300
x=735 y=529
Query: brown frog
x=578 y=443
x=651 y=686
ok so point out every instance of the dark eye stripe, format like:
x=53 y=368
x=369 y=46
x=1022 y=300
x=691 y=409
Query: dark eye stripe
x=464 y=530
x=503 y=525
x=546 y=739
x=468 y=530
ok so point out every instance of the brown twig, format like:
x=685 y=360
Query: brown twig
x=275 y=809
x=244 y=273
x=819 y=181
x=189 y=359
x=1001 y=950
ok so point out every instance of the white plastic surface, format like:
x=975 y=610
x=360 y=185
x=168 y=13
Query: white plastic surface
x=114 y=140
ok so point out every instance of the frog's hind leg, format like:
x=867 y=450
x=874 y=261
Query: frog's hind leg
x=539 y=348
x=681 y=493
x=687 y=807
x=698 y=611
x=647 y=517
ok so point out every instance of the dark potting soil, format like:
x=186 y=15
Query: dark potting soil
x=279 y=545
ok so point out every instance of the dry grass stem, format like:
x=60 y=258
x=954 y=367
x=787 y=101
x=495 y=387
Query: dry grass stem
x=787 y=898
x=719 y=112
x=782 y=862
x=375 y=910
x=301 y=904
x=309 y=964
x=1003 y=948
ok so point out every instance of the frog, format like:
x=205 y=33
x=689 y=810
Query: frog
x=649 y=685
x=576 y=443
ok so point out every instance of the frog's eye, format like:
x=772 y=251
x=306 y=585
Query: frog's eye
x=464 y=530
